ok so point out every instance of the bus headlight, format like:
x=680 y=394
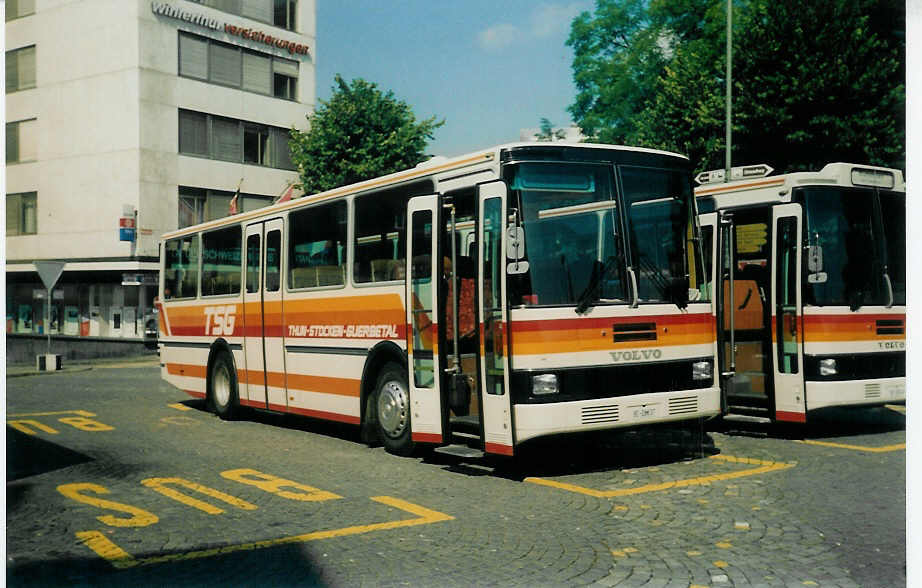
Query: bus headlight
x=702 y=370
x=828 y=367
x=544 y=384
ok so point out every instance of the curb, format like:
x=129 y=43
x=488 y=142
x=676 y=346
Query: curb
x=61 y=371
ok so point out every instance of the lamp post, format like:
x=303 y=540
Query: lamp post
x=729 y=94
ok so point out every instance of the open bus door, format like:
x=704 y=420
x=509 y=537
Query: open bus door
x=787 y=320
x=493 y=323
x=424 y=269
x=743 y=312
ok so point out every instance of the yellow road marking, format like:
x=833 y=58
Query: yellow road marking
x=28 y=427
x=883 y=449
x=119 y=558
x=179 y=406
x=160 y=485
x=763 y=467
x=37 y=414
x=897 y=408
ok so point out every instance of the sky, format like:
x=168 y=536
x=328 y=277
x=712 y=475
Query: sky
x=488 y=67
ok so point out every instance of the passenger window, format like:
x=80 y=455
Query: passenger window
x=221 y=262
x=181 y=268
x=380 y=246
x=317 y=246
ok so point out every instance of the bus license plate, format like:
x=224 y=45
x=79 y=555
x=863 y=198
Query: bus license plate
x=644 y=412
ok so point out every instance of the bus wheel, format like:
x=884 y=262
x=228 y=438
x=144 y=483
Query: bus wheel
x=224 y=386
x=392 y=409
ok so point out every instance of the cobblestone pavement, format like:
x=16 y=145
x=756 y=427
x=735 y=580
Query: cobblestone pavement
x=116 y=478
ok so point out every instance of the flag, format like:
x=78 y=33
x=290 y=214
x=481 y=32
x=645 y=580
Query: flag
x=287 y=194
x=233 y=202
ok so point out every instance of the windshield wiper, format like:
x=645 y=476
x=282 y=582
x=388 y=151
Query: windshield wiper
x=591 y=293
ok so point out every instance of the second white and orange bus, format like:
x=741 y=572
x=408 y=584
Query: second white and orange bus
x=475 y=303
x=811 y=289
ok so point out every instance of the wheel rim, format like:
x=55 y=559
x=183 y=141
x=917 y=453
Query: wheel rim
x=221 y=385
x=393 y=408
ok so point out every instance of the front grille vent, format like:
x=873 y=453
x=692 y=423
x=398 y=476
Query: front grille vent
x=890 y=327
x=871 y=391
x=683 y=405
x=600 y=414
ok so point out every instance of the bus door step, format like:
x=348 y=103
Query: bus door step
x=747 y=418
x=460 y=451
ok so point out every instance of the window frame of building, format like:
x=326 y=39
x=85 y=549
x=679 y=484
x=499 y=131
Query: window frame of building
x=21 y=69
x=22 y=210
x=223 y=135
x=19 y=8
x=250 y=9
x=283 y=74
x=21 y=133
x=206 y=205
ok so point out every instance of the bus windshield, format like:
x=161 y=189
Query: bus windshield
x=660 y=221
x=846 y=226
x=573 y=233
x=569 y=214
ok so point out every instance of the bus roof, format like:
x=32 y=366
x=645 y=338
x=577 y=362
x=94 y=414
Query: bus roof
x=778 y=188
x=435 y=166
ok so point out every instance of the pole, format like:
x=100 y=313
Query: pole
x=729 y=96
x=48 y=320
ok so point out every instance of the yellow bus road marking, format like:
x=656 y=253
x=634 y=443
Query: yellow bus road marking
x=119 y=558
x=763 y=468
x=179 y=406
x=85 y=413
x=883 y=449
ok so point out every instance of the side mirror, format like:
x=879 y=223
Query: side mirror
x=814 y=258
x=679 y=291
x=515 y=242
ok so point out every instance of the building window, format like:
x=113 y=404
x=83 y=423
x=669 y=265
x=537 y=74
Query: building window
x=284 y=14
x=19 y=8
x=229 y=139
x=21 y=138
x=21 y=214
x=198 y=205
x=228 y=65
x=20 y=69
x=280 y=13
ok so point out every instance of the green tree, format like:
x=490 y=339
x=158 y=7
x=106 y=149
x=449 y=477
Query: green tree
x=547 y=132
x=362 y=132
x=830 y=88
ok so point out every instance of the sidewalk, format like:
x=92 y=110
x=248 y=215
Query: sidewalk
x=83 y=365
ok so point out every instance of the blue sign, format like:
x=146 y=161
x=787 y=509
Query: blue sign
x=125 y=234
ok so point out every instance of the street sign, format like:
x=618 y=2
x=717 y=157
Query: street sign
x=49 y=272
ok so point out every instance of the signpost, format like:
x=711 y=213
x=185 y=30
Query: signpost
x=49 y=272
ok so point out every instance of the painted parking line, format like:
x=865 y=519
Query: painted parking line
x=763 y=468
x=179 y=406
x=883 y=449
x=119 y=558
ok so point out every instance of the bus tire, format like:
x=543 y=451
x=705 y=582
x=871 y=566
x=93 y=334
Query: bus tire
x=392 y=410
x=224 y=388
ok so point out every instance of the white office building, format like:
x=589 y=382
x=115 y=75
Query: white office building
x=129 y=118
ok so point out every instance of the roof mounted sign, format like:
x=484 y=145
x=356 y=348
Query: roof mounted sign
x=744 y=172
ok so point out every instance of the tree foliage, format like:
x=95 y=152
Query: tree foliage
x=362 y=132
x=547 y=132
x=813 y=82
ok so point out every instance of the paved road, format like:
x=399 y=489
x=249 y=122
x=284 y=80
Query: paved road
x=115 y=478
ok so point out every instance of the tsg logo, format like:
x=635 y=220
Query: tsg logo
x=636 y=354
x=220 y=320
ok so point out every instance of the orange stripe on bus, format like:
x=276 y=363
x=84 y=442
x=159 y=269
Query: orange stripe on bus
x=498 y=449
x=831 y=328
x=184 y=369
x=325 y=385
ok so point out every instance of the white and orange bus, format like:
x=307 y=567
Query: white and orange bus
x=474 y=303
x=811 y=306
